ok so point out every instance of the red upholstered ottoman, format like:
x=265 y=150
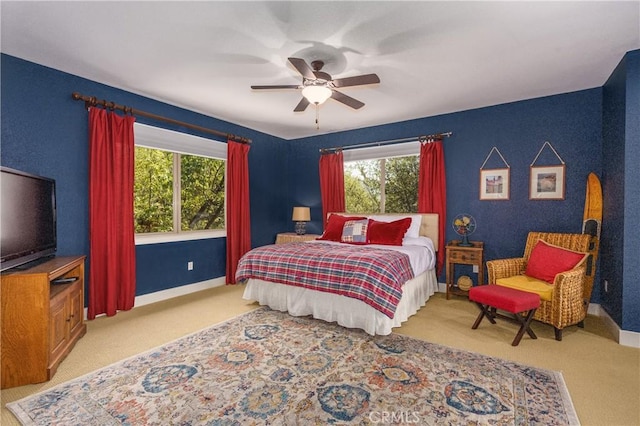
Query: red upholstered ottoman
x=521 y=304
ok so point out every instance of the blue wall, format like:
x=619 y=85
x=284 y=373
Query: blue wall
x=208 y=257
x=631 y=253
x=621 y=155
x=613 y=184
x=45 y=132
x=570 y=122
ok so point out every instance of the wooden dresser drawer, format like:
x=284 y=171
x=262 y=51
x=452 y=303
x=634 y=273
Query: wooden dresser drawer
x=460 y=256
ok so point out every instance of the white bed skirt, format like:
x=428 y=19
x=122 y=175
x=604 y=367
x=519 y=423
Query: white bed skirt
x=348 y=312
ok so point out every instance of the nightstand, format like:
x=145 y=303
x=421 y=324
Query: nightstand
x=466 y=256
x=292 y=237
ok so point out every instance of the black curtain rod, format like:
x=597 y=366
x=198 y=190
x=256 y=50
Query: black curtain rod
x=90 y=101
x=423 y=138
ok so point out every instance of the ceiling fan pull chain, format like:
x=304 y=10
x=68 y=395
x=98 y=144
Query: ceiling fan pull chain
x=317 y=117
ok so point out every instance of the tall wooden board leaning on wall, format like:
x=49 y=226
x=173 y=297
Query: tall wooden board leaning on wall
x=592 y=225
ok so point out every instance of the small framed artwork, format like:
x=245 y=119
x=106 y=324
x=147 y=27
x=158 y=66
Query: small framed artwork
x=547 y=183
x=494 y=184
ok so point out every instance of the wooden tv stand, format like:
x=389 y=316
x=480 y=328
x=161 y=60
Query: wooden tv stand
x=41 y=319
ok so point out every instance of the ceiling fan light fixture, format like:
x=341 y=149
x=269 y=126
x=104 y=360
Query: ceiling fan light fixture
x=316 y=94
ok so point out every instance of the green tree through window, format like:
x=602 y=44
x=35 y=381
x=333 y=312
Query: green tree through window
x=382 y=185
x=202 y=193
x=174 y=190
x=153 y=191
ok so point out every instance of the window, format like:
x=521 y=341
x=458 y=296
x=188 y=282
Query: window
x=382 y=179
x=153 y=191
x=179 y=187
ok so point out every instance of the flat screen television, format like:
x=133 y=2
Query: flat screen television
x=27 y=218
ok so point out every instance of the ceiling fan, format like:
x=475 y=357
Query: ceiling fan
x=318 y=86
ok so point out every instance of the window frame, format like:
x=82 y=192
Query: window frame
x=151 y=137
x=404 y=149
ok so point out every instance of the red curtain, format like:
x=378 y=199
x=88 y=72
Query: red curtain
x=432 y=189
x=238 y=217
x=332 y=183
x=112 y=276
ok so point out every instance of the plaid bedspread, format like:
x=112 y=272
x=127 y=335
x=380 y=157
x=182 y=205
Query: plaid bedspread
x=374 y=276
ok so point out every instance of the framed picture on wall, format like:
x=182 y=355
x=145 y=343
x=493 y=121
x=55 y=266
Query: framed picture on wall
x=494 y=184
x=547 y=183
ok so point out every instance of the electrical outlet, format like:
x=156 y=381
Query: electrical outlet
x=475 y=268
x=606 y=286
x=190 y=266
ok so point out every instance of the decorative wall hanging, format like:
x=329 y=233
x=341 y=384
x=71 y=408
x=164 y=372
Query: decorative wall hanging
x=494 y=183
x=547 y=182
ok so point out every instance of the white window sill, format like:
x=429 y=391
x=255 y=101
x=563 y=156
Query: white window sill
x=142 y=239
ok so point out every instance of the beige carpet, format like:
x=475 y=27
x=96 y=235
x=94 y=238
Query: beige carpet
x=602 y=376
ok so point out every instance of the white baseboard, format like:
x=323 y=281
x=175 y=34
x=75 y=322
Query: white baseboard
x=170 y=293
x=629 y=338
x=624 y=337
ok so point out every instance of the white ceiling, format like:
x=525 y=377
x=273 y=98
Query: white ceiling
x=432 y=57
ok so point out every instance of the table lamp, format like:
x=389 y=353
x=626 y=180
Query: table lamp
x=301 y=215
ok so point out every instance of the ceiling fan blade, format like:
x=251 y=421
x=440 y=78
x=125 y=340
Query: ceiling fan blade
x=303 y=68
x=347 y=100
x=302 y=105
x=284 y=86
x=356 y=81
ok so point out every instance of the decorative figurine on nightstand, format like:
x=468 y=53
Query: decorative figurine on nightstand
x=301 y=215
x=464 y=225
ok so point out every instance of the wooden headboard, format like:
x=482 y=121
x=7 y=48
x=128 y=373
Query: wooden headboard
x=428 y=226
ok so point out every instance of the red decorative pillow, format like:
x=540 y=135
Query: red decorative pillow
x=547 y=260
x=333 y=230
x=388 y=233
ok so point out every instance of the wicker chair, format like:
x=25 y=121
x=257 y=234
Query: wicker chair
x=567 y=306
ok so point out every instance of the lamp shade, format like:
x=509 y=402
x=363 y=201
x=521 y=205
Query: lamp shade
x=301 y=214
x=316 y=94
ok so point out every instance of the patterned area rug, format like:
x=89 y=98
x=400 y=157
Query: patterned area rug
x=266 y=367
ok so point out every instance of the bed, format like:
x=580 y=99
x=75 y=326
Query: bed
x=298 y=297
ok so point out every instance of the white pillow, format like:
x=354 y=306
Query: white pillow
x=414 y=228
x=420 y=241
